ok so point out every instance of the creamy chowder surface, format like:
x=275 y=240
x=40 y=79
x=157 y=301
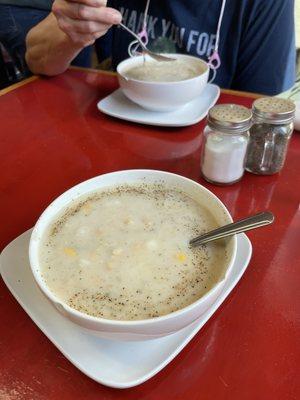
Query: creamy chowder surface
x=123 y=253
x=155 y=71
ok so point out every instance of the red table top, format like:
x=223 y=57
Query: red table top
x=53 y=137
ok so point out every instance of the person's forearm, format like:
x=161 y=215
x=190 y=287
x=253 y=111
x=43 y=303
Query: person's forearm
x=49 y=50
x=71 y=26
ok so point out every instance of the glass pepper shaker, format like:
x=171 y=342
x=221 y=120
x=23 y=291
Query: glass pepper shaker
x=269 y=135
x=225 y=143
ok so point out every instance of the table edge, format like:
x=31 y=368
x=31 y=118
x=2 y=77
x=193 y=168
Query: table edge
x=111 y=73
x=225 y=91
x=18 y=84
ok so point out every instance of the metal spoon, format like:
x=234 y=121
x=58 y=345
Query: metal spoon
x=243 y=225
x=156 y=56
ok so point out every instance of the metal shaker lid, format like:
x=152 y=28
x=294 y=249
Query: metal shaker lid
x=274 y=110
x=230 y=118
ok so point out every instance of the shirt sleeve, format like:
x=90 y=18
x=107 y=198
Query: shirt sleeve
x=267 y=55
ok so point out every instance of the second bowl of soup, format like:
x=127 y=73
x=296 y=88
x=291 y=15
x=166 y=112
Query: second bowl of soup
x=163 y=86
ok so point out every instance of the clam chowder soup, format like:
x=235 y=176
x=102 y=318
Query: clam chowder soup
x=122 y=253
x=155 y=71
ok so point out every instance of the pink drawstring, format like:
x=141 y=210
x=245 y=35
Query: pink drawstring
x=214 y=61
x=133 y=46
x=144 y=35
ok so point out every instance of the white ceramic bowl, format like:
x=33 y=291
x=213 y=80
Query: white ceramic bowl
x=161 y=96
x=143 y=329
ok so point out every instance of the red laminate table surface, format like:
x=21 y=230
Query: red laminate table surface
x=52 y=137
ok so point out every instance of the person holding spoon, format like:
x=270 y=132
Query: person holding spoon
x=70 y=27
x=256 y=38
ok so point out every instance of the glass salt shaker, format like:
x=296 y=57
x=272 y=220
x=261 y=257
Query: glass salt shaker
x=225 y=143
x=269 y=135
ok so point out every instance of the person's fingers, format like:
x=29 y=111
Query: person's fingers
x=92 y=3
x=80 y=11
x=79 y=26
x=101 y=14
x=84 y=39
x=84 y=23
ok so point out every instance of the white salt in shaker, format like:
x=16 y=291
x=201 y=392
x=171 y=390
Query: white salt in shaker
x=225 y=143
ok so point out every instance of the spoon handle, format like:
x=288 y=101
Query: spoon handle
x=243 y=225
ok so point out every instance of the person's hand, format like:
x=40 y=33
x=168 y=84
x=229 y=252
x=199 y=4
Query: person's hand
x=84 y=21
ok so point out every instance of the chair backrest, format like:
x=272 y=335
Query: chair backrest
x=9 y=72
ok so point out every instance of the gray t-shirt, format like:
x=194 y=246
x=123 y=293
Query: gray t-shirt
x=38 y=4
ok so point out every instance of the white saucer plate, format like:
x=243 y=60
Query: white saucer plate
x=119 y=106
x=111 y=363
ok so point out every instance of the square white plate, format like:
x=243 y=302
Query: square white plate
x=119 y=106
x=112 y=363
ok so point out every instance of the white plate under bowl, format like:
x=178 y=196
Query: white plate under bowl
x=119 y=106
x=111 y=363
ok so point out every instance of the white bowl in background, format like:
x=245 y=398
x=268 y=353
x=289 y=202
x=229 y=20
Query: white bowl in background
x=140 y=329
x=161 y=96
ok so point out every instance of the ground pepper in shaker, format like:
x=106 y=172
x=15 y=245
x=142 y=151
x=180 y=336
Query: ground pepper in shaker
x=269 y=135
x=225 y=143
